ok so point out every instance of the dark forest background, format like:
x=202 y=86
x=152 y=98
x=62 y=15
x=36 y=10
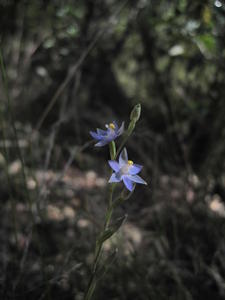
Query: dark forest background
x=68 y=67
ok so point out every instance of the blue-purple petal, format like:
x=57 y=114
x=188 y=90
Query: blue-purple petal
x=121 y=129
x=95 y=135
x=123 y=158
x=137 y=179
x=101 y=132
x=101 y=143
x=114 y=178
x=135 y=169
x=114 y=165
x=128 y=183
x=111 y=137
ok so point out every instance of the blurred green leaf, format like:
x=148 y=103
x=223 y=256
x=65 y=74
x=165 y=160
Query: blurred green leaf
x=206 y=43
x=72 y=30
x=49 y=43
x=113 y=229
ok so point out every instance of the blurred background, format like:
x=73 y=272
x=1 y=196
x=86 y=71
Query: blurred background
x=68 y=67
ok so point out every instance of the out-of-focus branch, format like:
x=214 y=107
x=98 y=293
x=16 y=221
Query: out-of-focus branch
x=112 y=21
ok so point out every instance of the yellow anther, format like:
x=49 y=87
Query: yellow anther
x=112 y=126
x=130 y=162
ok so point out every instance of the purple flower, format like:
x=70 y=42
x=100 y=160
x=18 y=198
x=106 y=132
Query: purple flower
x=125 y=170
x=106 y=136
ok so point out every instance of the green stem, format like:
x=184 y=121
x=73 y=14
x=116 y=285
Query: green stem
x=112 y=150
x=98 y=247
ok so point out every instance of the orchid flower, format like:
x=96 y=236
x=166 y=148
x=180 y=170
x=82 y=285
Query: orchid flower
x=125 y=170
x=106 y=136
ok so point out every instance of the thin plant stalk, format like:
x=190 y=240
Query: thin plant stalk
x=99 y=247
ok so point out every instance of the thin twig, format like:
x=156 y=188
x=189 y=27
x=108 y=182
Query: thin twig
x=19 y=153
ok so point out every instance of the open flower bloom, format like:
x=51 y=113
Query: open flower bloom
x=106 y=136
x=125 y=170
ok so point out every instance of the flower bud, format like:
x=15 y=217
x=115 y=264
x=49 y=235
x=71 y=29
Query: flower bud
x=136 y=113
x=131 y=127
